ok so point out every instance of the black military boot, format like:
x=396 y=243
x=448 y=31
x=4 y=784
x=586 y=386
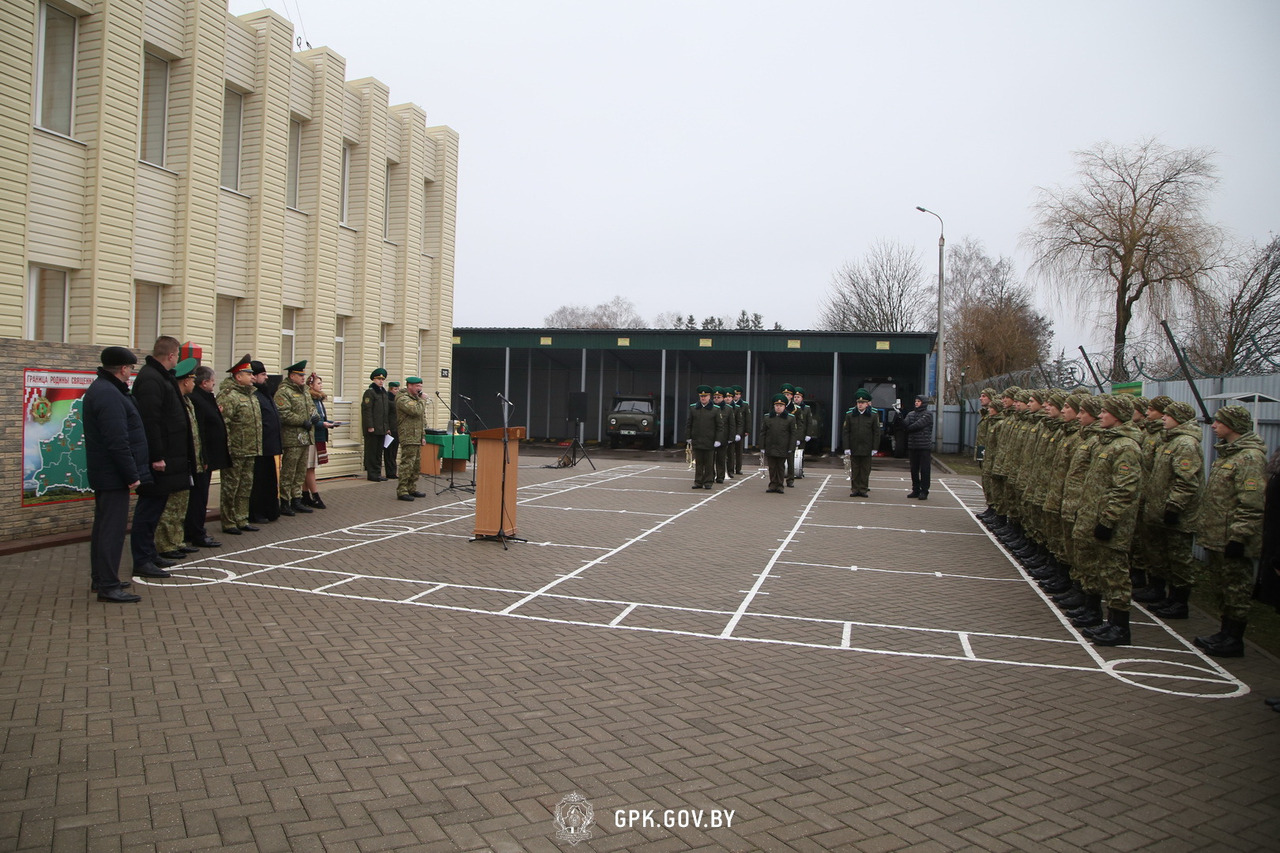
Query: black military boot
x=1092 y=614
x=1152 y=593
x=1070 y=599
x=1232 y=643
x=1212 y=639
x=286 y=508
x=1175 y=607
x=316 y=501
x=1115 y=632
x=298 y=507
x=1037 y=560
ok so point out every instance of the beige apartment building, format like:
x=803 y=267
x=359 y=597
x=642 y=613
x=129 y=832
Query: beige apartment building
x=167 y=168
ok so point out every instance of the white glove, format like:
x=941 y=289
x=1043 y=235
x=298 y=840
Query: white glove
x=717 y=444
x=737 y=438
x=689 y=441
x=848 y=453
x=808 y=438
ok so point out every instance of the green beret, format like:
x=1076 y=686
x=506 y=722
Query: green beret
x=1179 y=411
x=185 y=368
x=1092 y=405
x=1237 y=418
x=297 y=367
x=779 y=398
x=704 y=389
x=413 y=380
x=1160 y=403
x=381 y=371
x=787 y=386
x=862 y=394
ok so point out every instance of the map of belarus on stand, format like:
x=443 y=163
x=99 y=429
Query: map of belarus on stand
x=53 y=460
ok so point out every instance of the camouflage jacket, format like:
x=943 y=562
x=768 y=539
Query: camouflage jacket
x=992 y=446
x=201 y=465
x=1068 y=439
x=296 y=408
x=1176 y=479
x=411 y=415
x=1111 y=487
x=1040 y=460
x=243 y=416
x=1077 y=469
x=1012 y=431
x=1233 y=497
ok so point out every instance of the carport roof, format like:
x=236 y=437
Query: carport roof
x=697 y=340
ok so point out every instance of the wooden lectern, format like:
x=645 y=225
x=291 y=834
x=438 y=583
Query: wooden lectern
x=496 y=481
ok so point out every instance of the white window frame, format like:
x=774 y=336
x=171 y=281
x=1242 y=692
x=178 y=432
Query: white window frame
x=386 y=206
x=232 y=138
x=35 y=286
x=221 y=305
x=67 y=88
x=145 y=338
x=152 y=98
x=344 y=198
x=288 y=336
x=294 y=169
x=339 y=357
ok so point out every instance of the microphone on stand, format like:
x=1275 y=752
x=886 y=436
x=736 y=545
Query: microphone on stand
x=465 y=397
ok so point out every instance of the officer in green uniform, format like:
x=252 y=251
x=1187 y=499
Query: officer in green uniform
x=789 y=392
x=1230 y=526
x=411 y=415
x=860 y=434
x=298 y=417
x=806 y=422
x=1109 y=512
x=703 y=427
x=777 y=442
x=1174 y=489
x=243 y=416
x=170 y=538
x=374 y=423
x=718 y=398
x=744 y=412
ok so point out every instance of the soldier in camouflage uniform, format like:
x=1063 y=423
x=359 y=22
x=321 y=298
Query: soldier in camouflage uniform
x=1172 y=504
x=243 y=417
x=298 y=417
x=980 y=448
x=1058 y=533
x=1230 y=525
x=411 y=419
x=1079 y=552
x=1108 y=513
x=1012 y=434
x=170 y=536
x=1148 y=585
x=703 y=428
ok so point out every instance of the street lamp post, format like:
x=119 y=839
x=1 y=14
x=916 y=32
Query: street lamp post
x=942 y=334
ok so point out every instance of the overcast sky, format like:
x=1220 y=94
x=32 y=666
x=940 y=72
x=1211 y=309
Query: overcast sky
x=709 y=157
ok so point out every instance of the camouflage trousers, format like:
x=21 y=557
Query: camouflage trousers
x=988 y=489
x=1229 y=582
x=233 y=494
x=1103 y=571
x=1168 y=554
x=171 y=531
x=1142 y=554
x=410 y=465
x=293 y=472
x=997 y=498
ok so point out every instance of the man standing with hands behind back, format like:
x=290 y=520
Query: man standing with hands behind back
x=411 y=412
x=373 y=423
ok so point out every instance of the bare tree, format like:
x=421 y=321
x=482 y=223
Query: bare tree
x=992 y=325
x=1131 y=232
x=1237 y=330
x=885 y=291
x=618 y=313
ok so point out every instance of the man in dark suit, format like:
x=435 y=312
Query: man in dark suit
x=264 y=502
x=115 y=446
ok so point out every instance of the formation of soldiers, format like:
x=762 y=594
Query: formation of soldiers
x=1102 y=498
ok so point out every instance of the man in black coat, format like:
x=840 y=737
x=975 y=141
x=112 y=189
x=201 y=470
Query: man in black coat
x=919 y=426
x=169 y=445
x=115 y=446
x=264 y=501
x=213 y=443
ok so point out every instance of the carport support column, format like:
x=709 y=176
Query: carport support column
x=662 y=400
x=835 y=400
x=582 y=386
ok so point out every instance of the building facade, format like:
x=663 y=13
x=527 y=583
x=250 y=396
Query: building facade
x=167 y=168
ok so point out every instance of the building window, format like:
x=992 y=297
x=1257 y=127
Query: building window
x=155 y=108
x=224 y=333
x=47 y=305
x=295 y=164
x=56 y=70
x=384 y=334
x=424 y=343
x=386 y=206
x=344 y=199
x=339 y=353
x=146 y=314
x=288 y=334
x=232 y=120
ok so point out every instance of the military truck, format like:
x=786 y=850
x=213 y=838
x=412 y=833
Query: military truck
x=633 y=418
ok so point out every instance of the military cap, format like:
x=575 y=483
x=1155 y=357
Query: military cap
x=735 y=388
x=1092 y=405
x=799 y=391
x=1141 y=404
x=1057 y=399
x=1038 y=394
x=258 y=367
x=779 y=398
x=1120 y=405
x=787 y=386
x=117 y=357
x=297 y=367
x=996 y=404
x=413 y=380
x=990 y=392
x=393 y=384
x=1160 y=403
x=185 y=368
x=1022 y=396
x=1011 y=392
x=1179 y=411
x=718 y=390
x=1237 y=418
x=242 y=363
x=703 y=389
x=378 y=371
x=1072 y=402
x=862 y=394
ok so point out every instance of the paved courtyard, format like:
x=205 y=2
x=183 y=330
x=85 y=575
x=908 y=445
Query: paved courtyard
x=656 y=668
